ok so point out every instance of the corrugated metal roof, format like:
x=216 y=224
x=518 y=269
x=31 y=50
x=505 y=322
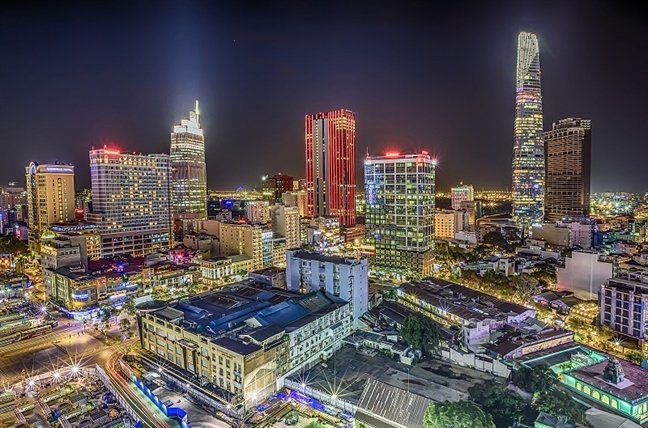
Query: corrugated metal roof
x=393 y=406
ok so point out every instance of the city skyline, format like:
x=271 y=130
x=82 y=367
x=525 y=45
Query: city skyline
x=397 y=106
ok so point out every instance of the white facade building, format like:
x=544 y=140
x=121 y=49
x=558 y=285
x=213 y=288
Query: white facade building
x=257 y=212
x=584 y=273
x=346 y=278
x=461 y=194
x=131 y=201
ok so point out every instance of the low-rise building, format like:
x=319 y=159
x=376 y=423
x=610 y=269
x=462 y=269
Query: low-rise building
x=112 y=282
x=242 y=340
x=477 y=314
x=386 y=406
x=220 y=270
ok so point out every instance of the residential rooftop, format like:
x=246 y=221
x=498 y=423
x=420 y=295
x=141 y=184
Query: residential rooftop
x=463 y=302
x=315 y=256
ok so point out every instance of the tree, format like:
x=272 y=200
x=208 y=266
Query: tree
x=560 y=404
x=129 y=307
x=498 y=241
x=462 y=414
x=124 y=325
x=538 y=378
x=420 y=332
x=636 y=357
x=505 y=406
x=525 y=286
x=105 y=313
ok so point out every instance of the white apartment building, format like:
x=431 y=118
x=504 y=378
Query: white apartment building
x=257 y=212
x=346 y=278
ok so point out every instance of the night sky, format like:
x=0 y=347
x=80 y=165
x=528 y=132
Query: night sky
x=418 y=76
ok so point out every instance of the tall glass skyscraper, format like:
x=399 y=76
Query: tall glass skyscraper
x=528 y=147
x=189 y=172
x=399 y=190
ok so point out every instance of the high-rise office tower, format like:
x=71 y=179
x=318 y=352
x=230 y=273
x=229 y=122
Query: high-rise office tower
x=461 y=193
x=50 y=197
x=330 y=165
x=528 y=148
x=189 y=173
x=399 y=190
x=568 y=155
x=131 y=201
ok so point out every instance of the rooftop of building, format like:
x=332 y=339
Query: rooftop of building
x=633 y=389
x=391 y=403
x=243 y=315
x=269 y=271
x=463 y=302
x=315 y=256
x=513 y=339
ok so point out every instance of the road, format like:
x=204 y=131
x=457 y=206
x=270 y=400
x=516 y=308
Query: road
x=70 y=344
x=148 y=414
x=40 y=354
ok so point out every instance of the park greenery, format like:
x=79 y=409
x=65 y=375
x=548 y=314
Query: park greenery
x=420 y=333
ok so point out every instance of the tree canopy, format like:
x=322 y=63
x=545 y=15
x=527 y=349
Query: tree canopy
x=505 y=406
x=497 y=240
x=560 y=404
x=420 y=333
x=538 y=378
x=462 y=414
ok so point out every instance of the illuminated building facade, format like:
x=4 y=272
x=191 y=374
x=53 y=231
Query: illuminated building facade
x=189 y=172
x=131 y=202
x=528 y=147
x=568 y=154
x=285 y=222
x=252 y=338
x=277 y=185
x=50 y=197
x=461 y=193
x=330 y=165
x=399 y=190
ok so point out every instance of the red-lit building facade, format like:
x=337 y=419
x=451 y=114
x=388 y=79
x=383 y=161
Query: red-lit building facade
x=276 y=185
x=330 y=165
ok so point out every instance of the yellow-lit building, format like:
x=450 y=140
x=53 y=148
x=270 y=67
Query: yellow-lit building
x=247 y=338
x=50 y=197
